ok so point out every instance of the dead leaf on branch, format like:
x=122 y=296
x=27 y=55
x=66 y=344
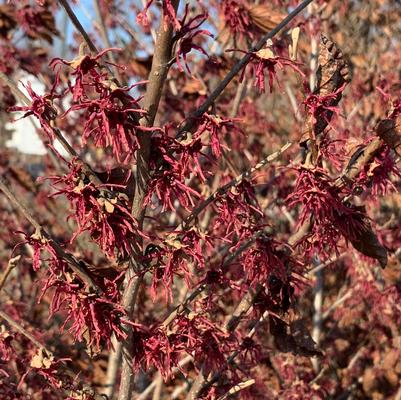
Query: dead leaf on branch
x=332 y=72
x=42 y=360
x=331 y=75
x=293 y=337
x=390 y=132
x=265 y=17
x=367 y=243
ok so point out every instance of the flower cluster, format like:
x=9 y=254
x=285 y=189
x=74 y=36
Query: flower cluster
x=111 y=115
x=265 y=60
x=186 y=35
x=324 y=201
x=90 y=316
x=102 y=210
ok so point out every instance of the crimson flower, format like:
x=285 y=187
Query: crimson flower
x=111 y=120
x=322 y=107
x=152 y=347
x=320 y=198
x=186 y=35
x=101 y=210
x=216 y=126
x=41 y=107
x=263 y=60
x=376 y=175
x=168 y=11
x=236 y=16
x=204 y=340
x=87 y=72
x=6 y=349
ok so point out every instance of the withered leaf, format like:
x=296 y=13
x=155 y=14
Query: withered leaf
x=293 y=337
x=366 y=242
x=265 y=17
x=389 y=131
x=332 y=74
x=42 y=360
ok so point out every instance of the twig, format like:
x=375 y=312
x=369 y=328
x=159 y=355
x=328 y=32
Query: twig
x=149 y=389
x=158 y=389
x=14 y=89
x=236 y=181
x=337 y=303
x=326 y=264
x=237 y=388
x=13 y=263
x=19 y=328
x=78 y=25
x=193 y=395
x=317 y=315
x=237 y=68
x=56 y=132
x=71 y=260
x=23 y=331
x=106 y=39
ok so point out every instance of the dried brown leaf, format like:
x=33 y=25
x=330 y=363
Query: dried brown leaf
x=366 y=242
x=265 y=17
x=293 y=337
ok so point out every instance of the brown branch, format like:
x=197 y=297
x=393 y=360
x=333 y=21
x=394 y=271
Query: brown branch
x=69 y=258
x=106 y=39
x=157 y=77
x=236 y=181
x=202 y=287
x=19 y=328
x=13 y=263
x=78 y=26
x=23 y=331
x=14 y=89
x=237 y=68
x=237 y=388
x=200 y=384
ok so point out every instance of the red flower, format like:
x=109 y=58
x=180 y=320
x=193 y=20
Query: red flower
x=186 y=35
x=87 y=72
x=168 y=11
x=263 y=60
x=41 y=107
x=236 y=17
x=322 y=200
x=217 y=127
x=201 y=338
x=111 y=120
x=102 y=210
x=6 y=349
x=376 y=175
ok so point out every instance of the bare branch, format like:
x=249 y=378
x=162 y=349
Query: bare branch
x=69 y=258
x=13 y=263
x=238 y=67
x=78 y=26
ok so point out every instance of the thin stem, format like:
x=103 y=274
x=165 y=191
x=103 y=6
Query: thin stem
x=13 y=263
x=69 y=258
x=236 y=181
x=78 y=25
x=237 y=68
x=19 y=328
x=112 y=367
x=15 y=89
x=105 y=38
x=22 y=331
